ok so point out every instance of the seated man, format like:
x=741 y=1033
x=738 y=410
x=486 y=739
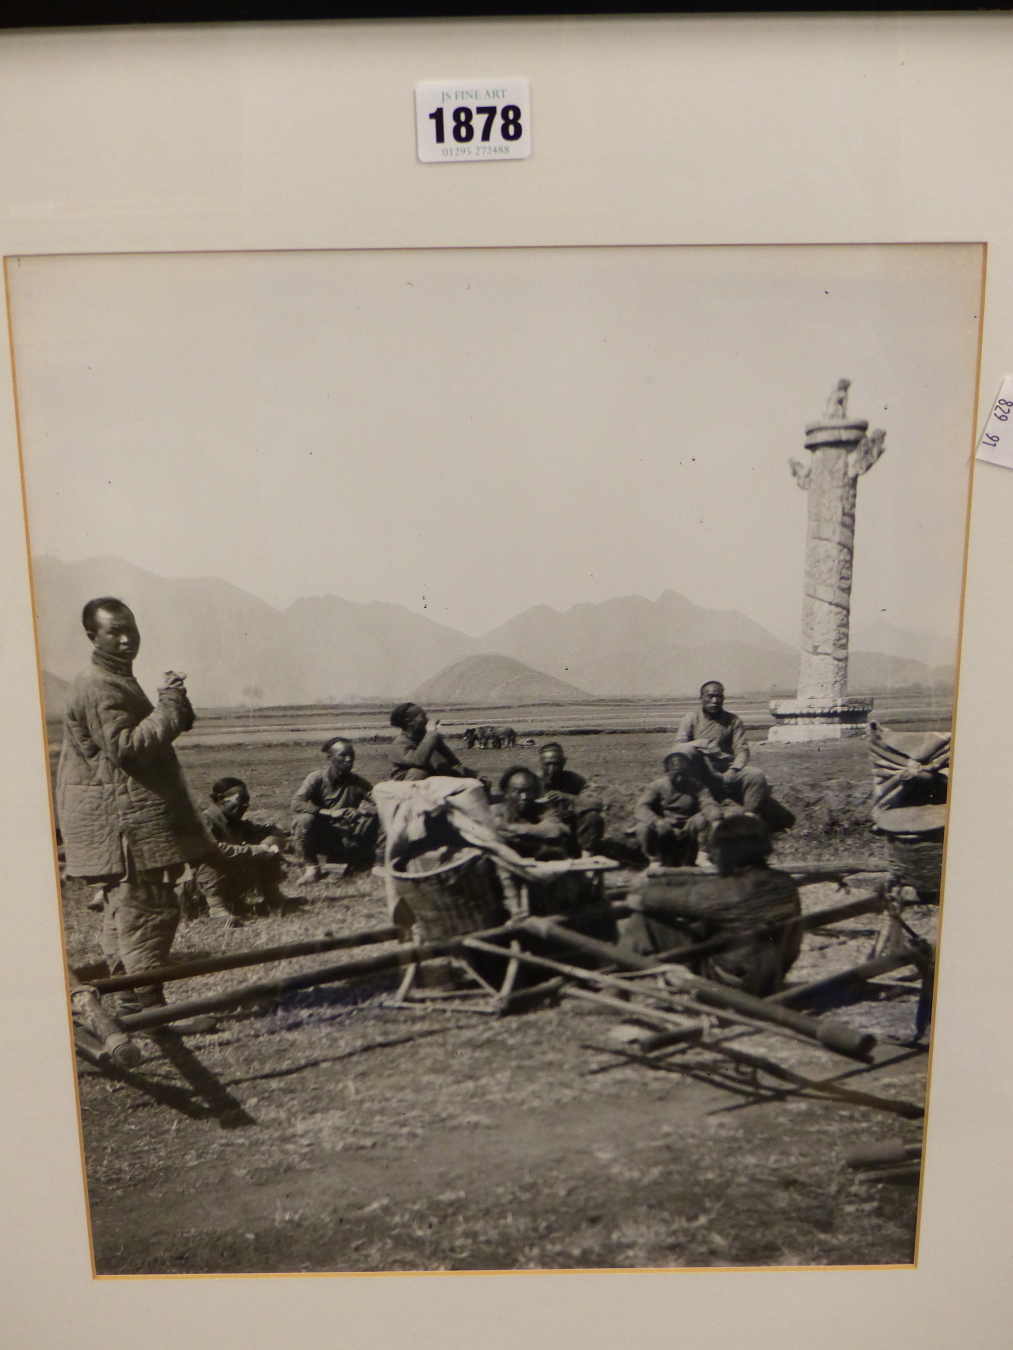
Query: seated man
x=562 y=786
x=748 y=903
x=335 y=817
x=531 y=827
x=720 y=737
x=419 y=750
x=245 y=867
x=546 y=833
x=674 y=811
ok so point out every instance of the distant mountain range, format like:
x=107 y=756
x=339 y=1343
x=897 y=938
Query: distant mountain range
x=236 y=649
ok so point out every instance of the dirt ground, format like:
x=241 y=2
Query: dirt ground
x=334 y=1132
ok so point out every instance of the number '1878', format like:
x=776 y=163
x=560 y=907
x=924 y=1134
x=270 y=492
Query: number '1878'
x=463 y=129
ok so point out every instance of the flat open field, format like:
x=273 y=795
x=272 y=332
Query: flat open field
x=334 y=1132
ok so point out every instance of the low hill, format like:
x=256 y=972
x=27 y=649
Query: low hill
x=495 y=680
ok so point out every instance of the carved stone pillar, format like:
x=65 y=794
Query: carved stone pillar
x=840 y=452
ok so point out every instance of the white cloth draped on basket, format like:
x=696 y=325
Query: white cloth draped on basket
x=409 y=811
x=905 y=764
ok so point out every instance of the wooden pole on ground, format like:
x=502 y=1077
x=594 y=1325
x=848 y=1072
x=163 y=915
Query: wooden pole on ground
x=882 y=965
x=110 y=1035
x=835 y=1035
x=185 y=970
x=268 y=989
x=670 y=1000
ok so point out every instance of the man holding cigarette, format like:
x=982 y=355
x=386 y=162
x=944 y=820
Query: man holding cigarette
x=127 y=820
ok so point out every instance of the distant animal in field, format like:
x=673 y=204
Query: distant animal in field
x=490 y=737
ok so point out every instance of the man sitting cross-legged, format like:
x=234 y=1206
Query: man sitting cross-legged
x=245 y=868
x=335 y=816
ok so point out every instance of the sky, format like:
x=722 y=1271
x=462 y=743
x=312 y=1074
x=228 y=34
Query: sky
x=471 y=432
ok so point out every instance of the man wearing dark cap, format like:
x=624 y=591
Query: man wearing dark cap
x=335 y=816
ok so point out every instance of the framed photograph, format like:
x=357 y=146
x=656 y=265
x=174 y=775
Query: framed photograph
x=345 y=518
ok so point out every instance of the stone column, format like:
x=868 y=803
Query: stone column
x=840 y=452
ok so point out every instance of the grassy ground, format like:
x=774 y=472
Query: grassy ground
x=338 y=1133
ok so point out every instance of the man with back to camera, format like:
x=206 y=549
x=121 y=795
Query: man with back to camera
x=126 y=817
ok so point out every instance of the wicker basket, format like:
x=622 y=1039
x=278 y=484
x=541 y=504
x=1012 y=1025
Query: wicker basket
x=567 y=894
x=917 y=860
x=463 y=896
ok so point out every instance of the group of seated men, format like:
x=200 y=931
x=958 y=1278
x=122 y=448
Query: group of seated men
x=549 y=815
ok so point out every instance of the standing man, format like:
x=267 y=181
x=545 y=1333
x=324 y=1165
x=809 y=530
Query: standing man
x=335 y=817
x=720 y=737
x=126 y=817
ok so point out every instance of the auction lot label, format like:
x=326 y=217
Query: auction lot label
x=996 y=444
x=466 y=121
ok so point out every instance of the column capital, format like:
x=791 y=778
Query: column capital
x=834 y=434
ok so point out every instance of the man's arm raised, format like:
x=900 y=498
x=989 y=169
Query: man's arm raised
x=127 y=739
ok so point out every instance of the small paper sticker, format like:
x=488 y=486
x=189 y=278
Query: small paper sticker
x=996 y=444
x=472 y=121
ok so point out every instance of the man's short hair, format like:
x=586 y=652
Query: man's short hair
x=89 y=615
x=552 y=745
x=326 y=747
x=398 y=715
x=530 y=774
x=686 y=756
x=740 y=840
x=707 y=684
x=224 y=786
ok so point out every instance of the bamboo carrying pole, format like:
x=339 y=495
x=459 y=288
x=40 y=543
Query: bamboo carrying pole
x=669 y=1000
x=804 y=871
x=835 y=1035
x=265 y=989
x=825 y=1086
x=868 y=970
x=237 y=960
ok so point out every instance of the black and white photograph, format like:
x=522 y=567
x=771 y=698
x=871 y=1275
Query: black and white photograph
x=499 y=706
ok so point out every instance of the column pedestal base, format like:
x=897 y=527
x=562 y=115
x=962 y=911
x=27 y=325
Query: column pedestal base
x=801 y=719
